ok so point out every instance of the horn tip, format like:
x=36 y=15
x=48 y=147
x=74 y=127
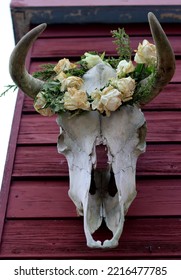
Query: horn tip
x=42 y=27
x=151 y=17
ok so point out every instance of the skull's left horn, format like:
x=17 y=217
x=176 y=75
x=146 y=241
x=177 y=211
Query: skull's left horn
x=26 y=82
x=165 y=64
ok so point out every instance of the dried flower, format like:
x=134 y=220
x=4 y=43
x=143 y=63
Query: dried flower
x=64 y=65
x=107 y=100
x=71 y=81
x=126 y=86
x=40 y=105
x=124 y=67
x=76 y=99
x=146 y=53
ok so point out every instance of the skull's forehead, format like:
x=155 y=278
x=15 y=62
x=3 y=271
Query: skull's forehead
x=91 y=128
x=98 y=77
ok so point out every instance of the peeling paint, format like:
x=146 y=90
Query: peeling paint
x=126 y=16
x=78 y=13
x=170 y=15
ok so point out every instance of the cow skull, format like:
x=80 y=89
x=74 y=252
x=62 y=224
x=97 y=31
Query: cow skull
x=101 y=194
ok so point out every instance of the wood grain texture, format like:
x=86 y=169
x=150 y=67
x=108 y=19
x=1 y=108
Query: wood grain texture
x=58 y=47
x=6 y=181
x=64 y=239
x=44 y=161
x=163 y=126
x=31 y=199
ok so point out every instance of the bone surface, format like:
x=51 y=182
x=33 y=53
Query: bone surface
x=77 y=141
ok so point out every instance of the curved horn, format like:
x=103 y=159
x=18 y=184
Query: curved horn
x=27 y=83
x=165 y=64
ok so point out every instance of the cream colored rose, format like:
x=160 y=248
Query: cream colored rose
x=39 y=105
x=71 y=81
x=146 y=53
x=61 y=76
x=64 y=65
x=91 y=60
x=96 y=104
x=124 y=67
x=111 y=99
x=76 y=99
x=126 y=86
x=108 y=100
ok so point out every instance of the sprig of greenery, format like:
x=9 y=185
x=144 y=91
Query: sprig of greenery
x=45 y=73
x=144 y=89
x=9 y=87
x=54 y=96
x=123 y=44
x=79 y=72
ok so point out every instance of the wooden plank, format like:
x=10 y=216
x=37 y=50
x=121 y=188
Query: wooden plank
x=92 y=30
x=64 y=239
x=49 y=199
x=58 y=47
x=168 y=99
x=36 y=129
x=4 y=192
x=33 y=161
x=162 y=127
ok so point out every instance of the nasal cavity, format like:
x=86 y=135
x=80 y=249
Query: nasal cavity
x=101 y=157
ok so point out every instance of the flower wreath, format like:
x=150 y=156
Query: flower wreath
x=63 y=88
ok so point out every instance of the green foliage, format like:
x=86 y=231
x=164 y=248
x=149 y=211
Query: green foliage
x=9 y=87
x=123 y=44
x=45 y=73
x=79 y=72
x=144 y=90
x=54 y=97
x=113 y=61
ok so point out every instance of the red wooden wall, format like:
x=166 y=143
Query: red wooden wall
x=38 y=220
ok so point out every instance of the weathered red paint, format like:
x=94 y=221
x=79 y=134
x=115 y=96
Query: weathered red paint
x=41 y=221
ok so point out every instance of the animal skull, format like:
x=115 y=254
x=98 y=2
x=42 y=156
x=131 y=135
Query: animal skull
x=101 y=194
x=123 y=133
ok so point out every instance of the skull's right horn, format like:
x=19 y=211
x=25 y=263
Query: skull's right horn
x=26 y=82
x=165 y=68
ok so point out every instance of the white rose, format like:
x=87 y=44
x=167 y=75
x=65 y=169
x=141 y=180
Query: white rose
x=108 y=100
x=124 y=67
x=126 y=86
x=71 y=81
x=91 y=60
x=64 y=65
x=96 y=96
x=40 y=103
x=60 y=77
x=76 y=99
x=146 y=53
x=111 y=99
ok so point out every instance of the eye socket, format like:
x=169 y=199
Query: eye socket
x=141 y=136
x=61 y=146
